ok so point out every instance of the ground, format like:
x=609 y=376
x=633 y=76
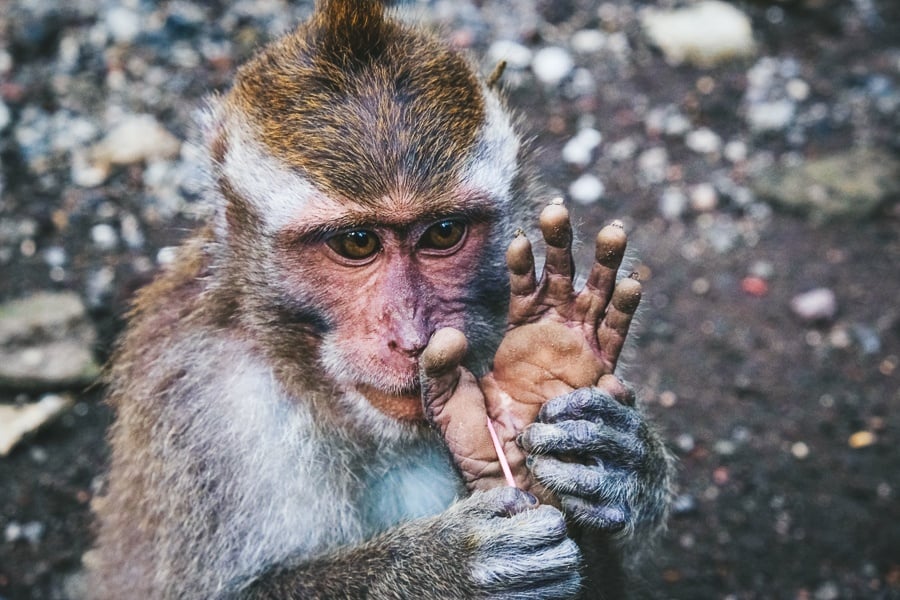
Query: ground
x=785 y=429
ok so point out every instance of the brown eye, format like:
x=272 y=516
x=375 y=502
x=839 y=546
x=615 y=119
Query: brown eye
x=443 y=235
x=355 y=245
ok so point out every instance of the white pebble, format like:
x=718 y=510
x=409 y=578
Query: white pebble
x=587 y=189
x=800 y=450
x=588 y=41
x=5 y=116
x=166 y=255
x=515 y=54
x=704 y=197
x=578 y=150
x=735 y=151
x=652 y=164
x=705 y=33
x=104 y=236
x=703 y=141
x=137 y=138
x=123 y=24
x=815 y=305
x=672 y=203
x=797 y=89
x=551 y=65
x=770 y=116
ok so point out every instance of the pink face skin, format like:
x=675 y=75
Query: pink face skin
x=385 y=279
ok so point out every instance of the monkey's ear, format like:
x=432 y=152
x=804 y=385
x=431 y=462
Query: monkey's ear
x=350 y=31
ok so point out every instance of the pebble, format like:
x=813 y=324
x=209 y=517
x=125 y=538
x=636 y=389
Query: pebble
x=551 y=65
x=515 y=54
x=800 y=450
x=104 y=236
x=862 y=439
x=586 y=190
x=652 y=165
x=735 y=151
x=672 y=203
x=685 y=443
x=706 y=33
x=819 y=304
x=135 y=139
x=770 y=116
x=32 y=532
x=703 y=141
x=123 y=24
x=5 y=115
x=704 y=197
x=588 y=41
x=18 y=421
x=579 y=149
x=684 y=504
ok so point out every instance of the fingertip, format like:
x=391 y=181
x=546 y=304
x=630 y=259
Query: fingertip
x=555 y=227
x=610 y=246
x=519 y=258
x=627 y=295
x=445 y=350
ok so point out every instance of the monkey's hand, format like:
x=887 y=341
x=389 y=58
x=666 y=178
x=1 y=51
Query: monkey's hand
x=558 y=341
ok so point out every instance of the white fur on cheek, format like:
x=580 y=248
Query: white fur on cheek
x=494 y=160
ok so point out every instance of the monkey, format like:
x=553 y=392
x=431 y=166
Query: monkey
x=301 y=396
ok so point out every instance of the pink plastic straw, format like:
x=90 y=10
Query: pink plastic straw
x=504 y=464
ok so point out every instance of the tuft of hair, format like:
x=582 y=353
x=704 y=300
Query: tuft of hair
x=350 y=32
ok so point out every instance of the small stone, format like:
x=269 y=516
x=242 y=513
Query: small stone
x=800 y=450
x=104 y=236
x=579 y=149
x=704 y=197
x=770 y=116
x=684 y=504
x=588 y=41
x=724 y=447
x=652 y=165
x=166 y=255
x=685 y=443
x=672 y=203
x=123 y=24
x=587 y=189
x=551 y=65
x=754 y=286
x=706 y=33
x=797 y=89
x=862 y=439
x=18 y=421
x=700 y=286
x=703 y=141
x=735 y=151
x=5 y=115
x=515 y=54
x=819 y=304
x=827 y=591
x=138 y=138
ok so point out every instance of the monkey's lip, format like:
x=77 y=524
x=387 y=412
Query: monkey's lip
x=403 y=406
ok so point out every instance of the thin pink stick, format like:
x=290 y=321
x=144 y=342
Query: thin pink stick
x=504 y=464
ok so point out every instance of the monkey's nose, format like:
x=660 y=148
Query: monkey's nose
x=411 y=349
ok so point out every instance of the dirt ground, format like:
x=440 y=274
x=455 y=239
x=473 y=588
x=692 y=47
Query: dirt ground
x=776 y=495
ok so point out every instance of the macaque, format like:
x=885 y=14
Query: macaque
x=301 y=397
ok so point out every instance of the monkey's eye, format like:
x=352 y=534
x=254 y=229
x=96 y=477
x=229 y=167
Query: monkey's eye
x=355 y=245
x=443 y=235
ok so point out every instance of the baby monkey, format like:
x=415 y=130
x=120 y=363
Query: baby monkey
x=302 y=397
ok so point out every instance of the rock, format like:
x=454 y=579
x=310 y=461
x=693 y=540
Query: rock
x=672 y=203
x=705 y=34
x=819 y=304
x=703 y=141
x=46 y=341
x=18 y=421
x=515 y=54
x=851 y=184
x=104 y=236
x=551 y=65
x=587 y=189
x=138 y=138
x=588 y=41
x=579 y=149
x=123 y=24
x=770 y=116
x=652 y=165
x=704 y=197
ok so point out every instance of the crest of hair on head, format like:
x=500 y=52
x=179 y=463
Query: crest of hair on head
x=350 y=31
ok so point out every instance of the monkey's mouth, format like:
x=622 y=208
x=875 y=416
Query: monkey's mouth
x=405 y=405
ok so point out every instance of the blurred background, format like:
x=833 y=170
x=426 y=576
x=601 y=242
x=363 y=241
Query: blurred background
x=750 y=147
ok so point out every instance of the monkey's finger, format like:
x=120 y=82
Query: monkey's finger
x=613 y=330
x=439 y=368
x=559 y=266
x=585 y=440
x=522 y=281
x=620 y=390
x=608 y=252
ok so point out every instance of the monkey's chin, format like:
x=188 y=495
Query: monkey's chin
x=406 y=406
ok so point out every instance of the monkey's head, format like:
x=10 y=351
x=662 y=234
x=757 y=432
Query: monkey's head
x=367 y=178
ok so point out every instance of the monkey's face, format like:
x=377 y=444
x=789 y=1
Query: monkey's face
x=384 y=279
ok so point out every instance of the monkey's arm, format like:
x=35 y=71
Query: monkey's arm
x=495 y=544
